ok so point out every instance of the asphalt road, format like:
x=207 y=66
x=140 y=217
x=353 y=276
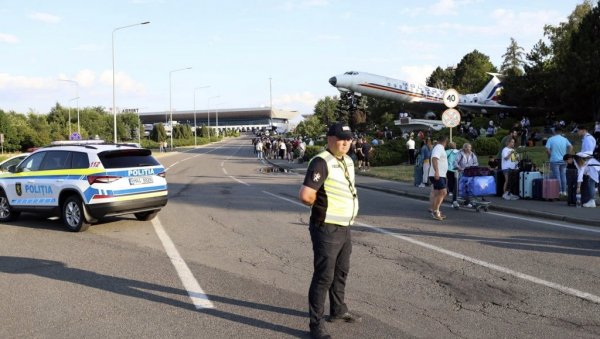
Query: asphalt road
x=230 y=256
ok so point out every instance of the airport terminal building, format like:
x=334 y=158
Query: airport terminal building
x=243 y=119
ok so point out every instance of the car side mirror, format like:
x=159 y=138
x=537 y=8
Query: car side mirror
x=12 y=168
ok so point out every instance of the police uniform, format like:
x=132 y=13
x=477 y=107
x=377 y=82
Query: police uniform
x=334 y=210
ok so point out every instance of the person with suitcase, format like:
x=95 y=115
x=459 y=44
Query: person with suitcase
x=509 y=162
x=587 y=172
x=465 y=158
x=557 y=147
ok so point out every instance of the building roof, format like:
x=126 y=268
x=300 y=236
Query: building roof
x=224 y=114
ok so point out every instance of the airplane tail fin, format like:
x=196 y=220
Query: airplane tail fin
x=491 y=90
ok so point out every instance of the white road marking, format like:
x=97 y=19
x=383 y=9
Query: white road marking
x=238 y=180
x=546 y=222
x=535 y=280
x=199 y=298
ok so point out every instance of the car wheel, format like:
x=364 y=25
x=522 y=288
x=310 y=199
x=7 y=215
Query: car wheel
x=72 y=215
x=6 y=212
x=145 y=216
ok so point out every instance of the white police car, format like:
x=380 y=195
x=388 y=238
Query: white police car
x=82 y=182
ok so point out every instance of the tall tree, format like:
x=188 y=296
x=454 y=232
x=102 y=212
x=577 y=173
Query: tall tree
x=513 y=59
x=441 y=78
x=581 y=68
x=311 y=127
x=470 y=75
x=325 y=110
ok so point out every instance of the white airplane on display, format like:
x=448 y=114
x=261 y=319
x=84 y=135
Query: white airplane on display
x=425 y=97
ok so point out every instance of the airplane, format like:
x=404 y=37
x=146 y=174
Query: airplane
x=420 y=96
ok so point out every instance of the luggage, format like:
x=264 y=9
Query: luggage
x=536 y=188
x=418 y=174
x=550 y=187
x=525 y=164
x=571 y=186
x=526 y=183
x=476 y=186
x=475 y=171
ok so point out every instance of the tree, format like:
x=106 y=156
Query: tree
x=158 y=133
x=513 y=60
x=325 y=110
x=311 y=127
x=582 y=68
x=470 y=75
x=441 y=78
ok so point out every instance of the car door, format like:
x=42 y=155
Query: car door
x=20 y=188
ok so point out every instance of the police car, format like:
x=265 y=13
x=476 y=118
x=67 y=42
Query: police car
x=84 y=181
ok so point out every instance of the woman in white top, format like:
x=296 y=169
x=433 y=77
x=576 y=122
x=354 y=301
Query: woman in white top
x=589 y=167
x=509 y=162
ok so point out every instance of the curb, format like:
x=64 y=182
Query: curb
x=526 y=212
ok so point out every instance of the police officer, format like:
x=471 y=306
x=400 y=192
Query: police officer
x=329 y=189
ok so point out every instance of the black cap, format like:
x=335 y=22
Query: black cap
x=340 y=130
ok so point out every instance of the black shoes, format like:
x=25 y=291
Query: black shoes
x=346 y=317
x=319 y=332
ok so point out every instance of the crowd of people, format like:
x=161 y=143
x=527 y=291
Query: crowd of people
x=266 y=147
x=432 y=164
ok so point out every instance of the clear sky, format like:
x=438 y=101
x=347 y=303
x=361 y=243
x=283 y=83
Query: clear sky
x=236 y=46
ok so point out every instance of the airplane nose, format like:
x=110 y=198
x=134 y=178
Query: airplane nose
x=332 y=81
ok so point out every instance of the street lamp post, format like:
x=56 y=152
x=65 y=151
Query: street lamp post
x=76 y=98
x=113 y=73
x=77 y=94
x=170 y=101
x=195 y=126
x=208 y=113
x=217 y=116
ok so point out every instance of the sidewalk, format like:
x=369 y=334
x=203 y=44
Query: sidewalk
x=555 y=210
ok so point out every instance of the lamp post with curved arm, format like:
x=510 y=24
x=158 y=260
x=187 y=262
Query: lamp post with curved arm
x=113 y=73
x=195 y=126
x=208 y=113
x=77 y=94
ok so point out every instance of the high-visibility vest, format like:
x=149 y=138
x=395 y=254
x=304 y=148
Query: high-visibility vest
x=342 y=201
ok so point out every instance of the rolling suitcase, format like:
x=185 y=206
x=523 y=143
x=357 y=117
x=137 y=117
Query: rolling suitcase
x=536 y=188
x=571 y=186
x=550 y=187
x=526 y=183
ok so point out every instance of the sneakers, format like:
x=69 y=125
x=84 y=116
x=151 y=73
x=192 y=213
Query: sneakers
x=422 y=185
x=509 y=196
x=591 y=203
x=469 y=205
x=455 y=204
x=346 y=317
x=319 y=332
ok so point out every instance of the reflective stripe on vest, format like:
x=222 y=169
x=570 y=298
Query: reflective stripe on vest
x=342 y=202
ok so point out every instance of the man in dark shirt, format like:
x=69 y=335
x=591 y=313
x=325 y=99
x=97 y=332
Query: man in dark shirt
x=329 y=189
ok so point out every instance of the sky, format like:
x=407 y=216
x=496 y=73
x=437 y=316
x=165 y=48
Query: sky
x=249 y=52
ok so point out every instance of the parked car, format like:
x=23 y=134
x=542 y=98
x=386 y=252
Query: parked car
x=15 y=160
x=84 y=182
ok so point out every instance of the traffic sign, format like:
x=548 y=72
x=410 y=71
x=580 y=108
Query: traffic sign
x=451 y=98
x=75 y=136
x=451 y=117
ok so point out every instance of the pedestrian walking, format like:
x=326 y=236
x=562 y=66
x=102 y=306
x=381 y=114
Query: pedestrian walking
x=410 y=144
x=425 y=153
x=437 y=176
x=329 y=188
x=509 y=162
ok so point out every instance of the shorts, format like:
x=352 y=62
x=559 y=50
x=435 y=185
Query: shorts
x=439 y=184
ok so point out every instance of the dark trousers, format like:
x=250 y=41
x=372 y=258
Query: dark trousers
x=332 y=246
x=452 y=184
x=411 y=156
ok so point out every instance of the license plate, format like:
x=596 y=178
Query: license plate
x=140 y=180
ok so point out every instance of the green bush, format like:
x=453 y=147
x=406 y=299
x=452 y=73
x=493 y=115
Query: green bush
x=459 y=141
x=311 y=151
x=386 y=156
x=486 y=146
